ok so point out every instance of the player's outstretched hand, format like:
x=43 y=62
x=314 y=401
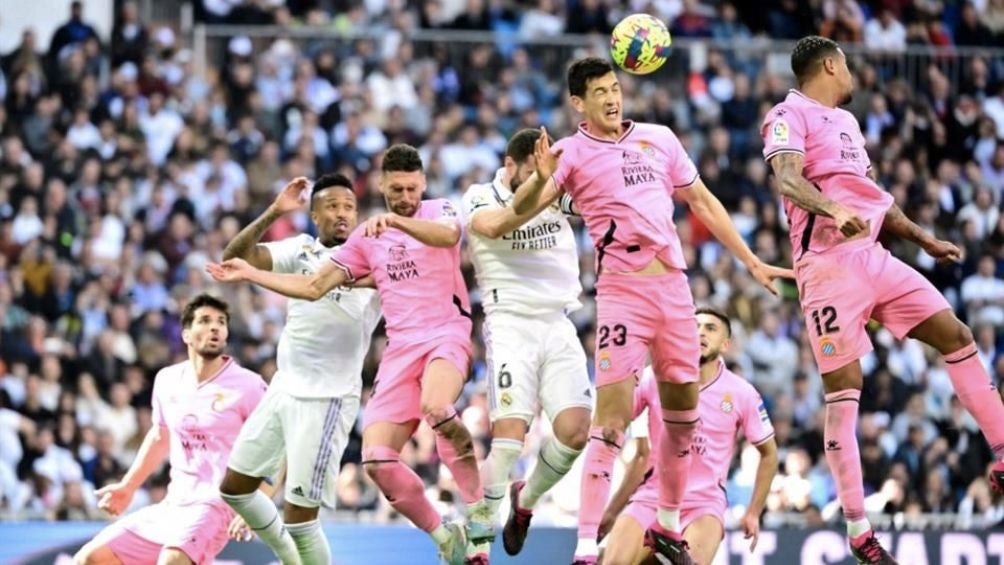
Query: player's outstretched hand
x=849 y=223
x=290 y=199
x=766 y=274
x=239 y=530
x=114 y=498
x=378 y=224
x=231 y=270
x=751 y=529
x=945 y=252
x=547 y=160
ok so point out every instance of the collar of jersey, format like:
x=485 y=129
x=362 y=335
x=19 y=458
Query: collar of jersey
x=628 y=128
x=802 y=95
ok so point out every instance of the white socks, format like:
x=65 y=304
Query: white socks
x=311 y=542
x=553 y=462
x=263 y=517
x=496 y=469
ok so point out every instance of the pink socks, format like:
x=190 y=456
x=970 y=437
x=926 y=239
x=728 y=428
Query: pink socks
x=841 y=447
x=601 y=451
x=977 y=394
x=675 y=455
x=402 y=487
x=456 y=450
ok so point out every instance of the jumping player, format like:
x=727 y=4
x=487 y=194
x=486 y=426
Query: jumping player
x=527 y=269
x=311 y=406
x=413 y=253
x=621 y=176
x=199 y=406
x=728 y=403
x=837 y=211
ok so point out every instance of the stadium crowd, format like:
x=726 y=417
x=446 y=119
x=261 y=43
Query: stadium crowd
x=122 y=172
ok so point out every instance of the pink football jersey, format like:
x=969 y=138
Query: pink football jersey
x=203 y=421
x=624 y=189
x=836 y=162
x=422 y=291
x=727 y=404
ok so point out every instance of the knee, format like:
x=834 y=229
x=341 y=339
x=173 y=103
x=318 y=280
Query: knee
x=174 y=556
x=571 y=427
x=378 y=462
x=91 y=554
x=438 y=417
x=576 y=439
x=963 y=337
x=236 y=484
x=612 y=433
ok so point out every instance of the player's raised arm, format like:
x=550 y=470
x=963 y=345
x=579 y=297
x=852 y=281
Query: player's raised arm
x=539 y=191
x=794 y=186
x=306 y=287
x=437 y=233
x=246 y=244
x=712 y=214
x=115 y=498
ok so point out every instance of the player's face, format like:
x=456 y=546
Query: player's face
x=522 y=172
x=335 y=214
x=207 y=335
x=713 y=335
x=844 y=79
x=602 y=105
x=403 y=191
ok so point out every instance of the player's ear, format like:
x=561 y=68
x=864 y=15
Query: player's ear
x=186 y=335
x=578 y=103
x=510 y=165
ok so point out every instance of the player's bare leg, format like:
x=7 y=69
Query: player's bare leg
x=953 y=339
x=843 y=396
x=95 y=552
x=680 y=418
x=382 y=444
x=173 y=556
x=704 y=535
x=441 y=386
x=606 y=437
x=625 y=543
x=241 y=493
x=556 y=457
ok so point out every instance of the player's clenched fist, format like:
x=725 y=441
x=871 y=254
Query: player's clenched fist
x=231 y=270
x=239 y=530
x=378 y=224
x=849 y=223
x=115 y=498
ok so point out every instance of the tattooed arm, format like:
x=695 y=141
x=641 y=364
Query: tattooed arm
x=793 y=186
x=245 y=244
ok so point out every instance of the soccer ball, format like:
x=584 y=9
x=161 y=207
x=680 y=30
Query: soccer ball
x=640 y=44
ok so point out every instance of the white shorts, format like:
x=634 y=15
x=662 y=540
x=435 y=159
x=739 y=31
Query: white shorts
x=309 y=434
x=534 y=359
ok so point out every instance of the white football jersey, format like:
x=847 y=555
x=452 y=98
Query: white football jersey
x=530 y=271
x=322 y=348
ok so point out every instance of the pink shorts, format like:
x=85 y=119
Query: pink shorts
x=638 y=315
x=199 y=530
x=841 y=291
x=397 y=389
x=644 y=506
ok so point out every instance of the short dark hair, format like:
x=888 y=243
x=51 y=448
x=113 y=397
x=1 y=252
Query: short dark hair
x=718 y=314
x=188 y=314
x=808 y=54
x=329 y=180
x=401 y=157
x=585 y=70
x=521 y=144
